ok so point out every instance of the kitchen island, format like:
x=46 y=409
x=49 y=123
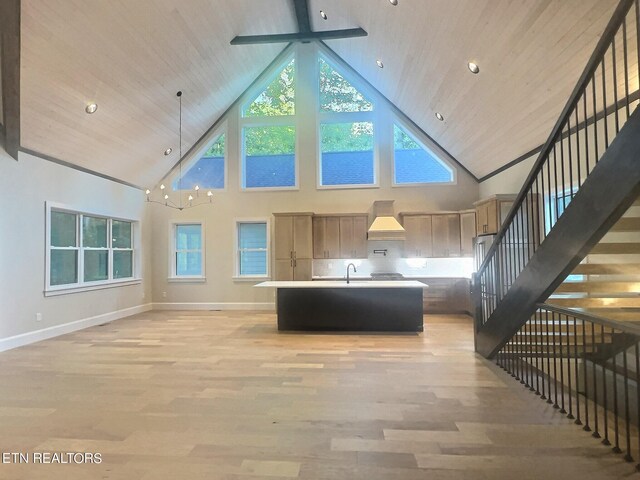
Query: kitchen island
x=358 y=306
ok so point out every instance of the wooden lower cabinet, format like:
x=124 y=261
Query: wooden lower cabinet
x=293 y=269
x=447 y=295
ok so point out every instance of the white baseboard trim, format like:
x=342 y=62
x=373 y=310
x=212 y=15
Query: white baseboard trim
x=215 y=306
x=57 y=330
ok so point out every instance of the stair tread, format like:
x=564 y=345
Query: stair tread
x=600 y=286
x=627 y=224
x=607 y=269
x=615 y=248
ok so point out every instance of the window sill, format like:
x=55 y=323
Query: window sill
x=187 y=279
x=424 y=184
x=347 y=186
x=251 y=279
x=270 y=189
x=55 y=291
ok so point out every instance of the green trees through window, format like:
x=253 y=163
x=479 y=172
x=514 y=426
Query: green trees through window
x=337 y=94
x=279 y=98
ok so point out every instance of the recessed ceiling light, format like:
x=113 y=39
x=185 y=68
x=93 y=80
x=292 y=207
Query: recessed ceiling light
x=379 y=63
x=439 y=116
x=168 y=151
x=323 y=15
x=473 y=68
x=393 y=2
x=91 y=108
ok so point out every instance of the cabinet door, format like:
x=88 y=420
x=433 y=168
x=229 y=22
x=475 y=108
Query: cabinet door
x=302 y=269
x=481 y=219
x=492 y=217
x=284 y=270
x=467 y=232
x=453 y=235
x=360 y=237
x=283 y=237
x=440 y=229
x=418 y=233
x=319 y=237
x=332 y=237
x=346 y=237
x=302 y=236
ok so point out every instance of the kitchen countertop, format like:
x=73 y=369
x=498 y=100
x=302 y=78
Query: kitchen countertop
x=368 y=278
x=344 y=284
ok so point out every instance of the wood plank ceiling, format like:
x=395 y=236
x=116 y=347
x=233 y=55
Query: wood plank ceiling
x=530 y=52
x=131 y=57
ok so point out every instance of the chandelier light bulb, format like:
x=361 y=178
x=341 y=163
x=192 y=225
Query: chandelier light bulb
x=190 y=197
x=162 y=187
x=148 y=191
x=196 y=188
x=166 y=197
x=209 y=193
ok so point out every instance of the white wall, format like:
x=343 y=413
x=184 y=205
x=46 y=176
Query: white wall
x=508 y=181
x=232 y=203
x=25 y=186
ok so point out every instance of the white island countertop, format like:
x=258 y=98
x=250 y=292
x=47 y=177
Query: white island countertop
x=344 y=284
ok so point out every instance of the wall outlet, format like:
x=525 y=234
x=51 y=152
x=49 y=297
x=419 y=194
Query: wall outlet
x=164 y=294
x=38 y=317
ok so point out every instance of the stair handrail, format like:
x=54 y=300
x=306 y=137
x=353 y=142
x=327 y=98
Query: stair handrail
x=623 y=327
x=596 y=58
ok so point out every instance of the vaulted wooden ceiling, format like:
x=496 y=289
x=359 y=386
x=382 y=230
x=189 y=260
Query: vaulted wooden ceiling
x=132 y=56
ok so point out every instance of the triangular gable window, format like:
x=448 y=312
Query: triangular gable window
x=337 y=94
x=207 y=172
x=278 y=98
x=413 y=163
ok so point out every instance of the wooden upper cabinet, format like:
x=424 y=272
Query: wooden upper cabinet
x=283 y=237
x=467 y=232
x=326 y=237
x=446 y=235
x=353 y=236
x=302 y=237
x=340 y=236
x=360 y=228
x=418 y=235
x=491 y=213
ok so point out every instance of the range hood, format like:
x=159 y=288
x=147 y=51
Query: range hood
x=385 y=226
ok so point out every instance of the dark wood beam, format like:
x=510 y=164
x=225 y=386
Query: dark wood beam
x=10 y=58
x=302 y=15
x=299 y=37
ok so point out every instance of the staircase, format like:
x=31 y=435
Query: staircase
x=607 y=282
x=572 y=241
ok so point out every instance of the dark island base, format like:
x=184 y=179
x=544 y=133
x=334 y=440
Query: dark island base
x=350 y=309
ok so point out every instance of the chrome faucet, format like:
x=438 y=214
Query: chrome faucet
x=354 y=270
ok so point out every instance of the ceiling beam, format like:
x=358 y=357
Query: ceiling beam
x=10 y=58
x=299 y=37
x=302 y=15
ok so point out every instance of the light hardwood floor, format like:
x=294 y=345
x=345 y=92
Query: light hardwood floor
x=220 y=395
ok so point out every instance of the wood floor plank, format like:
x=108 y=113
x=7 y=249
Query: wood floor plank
x=201 y=395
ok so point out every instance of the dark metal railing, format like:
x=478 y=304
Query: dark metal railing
x=599 y=106
x=587 y=367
